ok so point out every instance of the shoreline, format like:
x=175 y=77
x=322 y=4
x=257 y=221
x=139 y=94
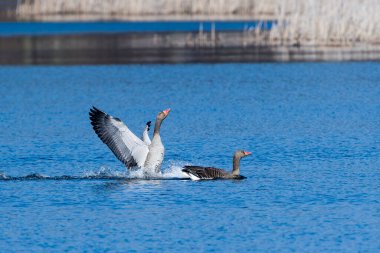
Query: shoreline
x=157 y=48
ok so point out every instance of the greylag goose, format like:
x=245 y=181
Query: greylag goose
x=199 y=172
x=127 y=147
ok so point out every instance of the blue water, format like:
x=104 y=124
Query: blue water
x=56 y=28
x=313 y=180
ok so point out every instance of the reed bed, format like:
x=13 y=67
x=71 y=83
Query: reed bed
x=299 y=22
x=325 y=22
x=213 y=9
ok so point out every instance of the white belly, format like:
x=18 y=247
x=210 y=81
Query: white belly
x=155 y=156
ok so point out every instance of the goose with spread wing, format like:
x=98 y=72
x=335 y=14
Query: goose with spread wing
x=199 y=172
x=127 y=147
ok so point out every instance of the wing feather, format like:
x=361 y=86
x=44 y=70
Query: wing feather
x=126 y=146
x=145 y=136
x=205 y=172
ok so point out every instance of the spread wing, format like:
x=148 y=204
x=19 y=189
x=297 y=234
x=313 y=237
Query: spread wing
x=205 y=172
x=126 y=146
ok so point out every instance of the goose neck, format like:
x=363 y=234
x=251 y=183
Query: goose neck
x=157 y=127
x=236 y=166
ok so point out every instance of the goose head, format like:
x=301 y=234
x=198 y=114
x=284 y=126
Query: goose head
x=163 y=114
x=242 y=153
x=236 y=161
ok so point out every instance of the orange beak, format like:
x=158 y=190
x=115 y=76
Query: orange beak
x=166 y=111
x=247 y=153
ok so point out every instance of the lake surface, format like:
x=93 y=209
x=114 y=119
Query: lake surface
x=312 y=182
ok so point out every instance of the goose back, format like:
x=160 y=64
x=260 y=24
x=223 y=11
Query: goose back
x=199 y=172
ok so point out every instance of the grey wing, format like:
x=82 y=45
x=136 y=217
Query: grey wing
x=205 y=172
x=128 y=148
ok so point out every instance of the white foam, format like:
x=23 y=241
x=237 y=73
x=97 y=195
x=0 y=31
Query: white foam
x=106 y=172
x=173 y=171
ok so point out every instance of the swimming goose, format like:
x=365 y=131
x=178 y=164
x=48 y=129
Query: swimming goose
x=198 y=172
x=127 y=147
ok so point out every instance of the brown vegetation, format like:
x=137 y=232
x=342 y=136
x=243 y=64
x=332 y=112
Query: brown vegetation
x=353 y=23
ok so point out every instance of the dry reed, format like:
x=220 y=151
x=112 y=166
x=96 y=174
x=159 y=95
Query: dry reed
x=299 y=22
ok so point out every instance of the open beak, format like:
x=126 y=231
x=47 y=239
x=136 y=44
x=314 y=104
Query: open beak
x=166 y=111
x=247 y=153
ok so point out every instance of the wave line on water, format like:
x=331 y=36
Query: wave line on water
x=172 y=173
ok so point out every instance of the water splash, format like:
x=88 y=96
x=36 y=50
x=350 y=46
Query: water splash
x=173 y=172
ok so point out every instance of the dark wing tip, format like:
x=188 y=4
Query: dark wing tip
x=95 y=113
x=94 y=109
x=148 y=124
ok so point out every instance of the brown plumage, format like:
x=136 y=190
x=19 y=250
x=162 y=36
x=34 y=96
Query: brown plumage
x=199 y=172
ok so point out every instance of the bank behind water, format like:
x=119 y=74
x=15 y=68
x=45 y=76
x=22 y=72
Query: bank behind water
x=65 y=43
